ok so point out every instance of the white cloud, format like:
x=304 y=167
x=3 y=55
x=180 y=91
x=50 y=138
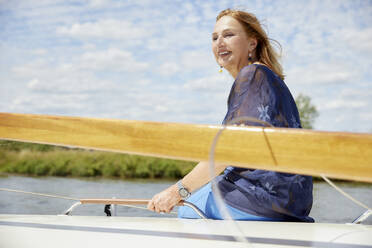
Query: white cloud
x=322 y=73
x=358 y=39
x=198 y=60
x=99 y=3
x=168 y=69
x=342 y=104
x=111 y=59
x=55 y=103
x=39 y=51
x=70 y=84
x=214 y=83
x=33 y=84
x=367 y=117
x=105 y=29
x=31 y=69
x=89 y=46
x=365 y=92
x=161 y=109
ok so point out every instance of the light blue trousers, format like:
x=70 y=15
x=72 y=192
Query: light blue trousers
x=204 y=200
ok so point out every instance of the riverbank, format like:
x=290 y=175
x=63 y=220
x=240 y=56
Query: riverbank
x=46 y=160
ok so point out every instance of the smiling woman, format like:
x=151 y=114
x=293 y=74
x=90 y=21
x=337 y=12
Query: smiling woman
x=234 y=45
x=242 y=47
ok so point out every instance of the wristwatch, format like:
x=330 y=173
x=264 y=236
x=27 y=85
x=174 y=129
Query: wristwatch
x=184 y=193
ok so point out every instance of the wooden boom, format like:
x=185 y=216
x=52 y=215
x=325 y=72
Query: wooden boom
x=334 y=154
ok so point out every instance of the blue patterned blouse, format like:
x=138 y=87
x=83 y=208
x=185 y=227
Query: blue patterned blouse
x=258 y=92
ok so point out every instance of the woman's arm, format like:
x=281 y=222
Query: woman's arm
x=167 y=199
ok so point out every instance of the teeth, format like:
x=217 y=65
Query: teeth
x=224 y=53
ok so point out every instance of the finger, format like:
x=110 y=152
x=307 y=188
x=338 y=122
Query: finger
x=156 y=207
x=160 y=208
x=170 y=210
x=151 y=206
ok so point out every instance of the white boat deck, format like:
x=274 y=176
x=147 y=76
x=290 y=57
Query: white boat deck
x=90 y=231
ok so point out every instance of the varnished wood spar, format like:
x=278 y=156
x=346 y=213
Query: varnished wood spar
x=334 y=154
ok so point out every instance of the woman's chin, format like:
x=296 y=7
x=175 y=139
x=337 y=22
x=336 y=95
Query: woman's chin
x=227 y=66
x=226 y=63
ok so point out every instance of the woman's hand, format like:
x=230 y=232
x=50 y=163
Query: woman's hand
x=196 y=178
x=165 y=200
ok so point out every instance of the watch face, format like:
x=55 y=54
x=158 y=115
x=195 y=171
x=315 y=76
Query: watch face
x=183 y=192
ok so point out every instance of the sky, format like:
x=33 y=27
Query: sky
x=152 y=60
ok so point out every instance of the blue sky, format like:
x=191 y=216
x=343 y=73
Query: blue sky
x=152 y=60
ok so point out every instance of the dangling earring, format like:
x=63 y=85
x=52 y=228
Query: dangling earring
x=220 y=70
x=249 y=58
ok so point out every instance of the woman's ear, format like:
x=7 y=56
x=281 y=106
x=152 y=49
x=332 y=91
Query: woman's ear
x=252 y=43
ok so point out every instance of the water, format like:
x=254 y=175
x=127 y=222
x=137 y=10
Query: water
x=329 y=205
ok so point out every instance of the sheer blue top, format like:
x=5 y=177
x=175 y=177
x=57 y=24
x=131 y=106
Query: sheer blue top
x=258 y=92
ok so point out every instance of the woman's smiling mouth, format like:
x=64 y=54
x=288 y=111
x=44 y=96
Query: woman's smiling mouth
x=224 y=54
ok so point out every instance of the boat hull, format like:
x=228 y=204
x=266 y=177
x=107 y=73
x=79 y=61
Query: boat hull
x=98 y=231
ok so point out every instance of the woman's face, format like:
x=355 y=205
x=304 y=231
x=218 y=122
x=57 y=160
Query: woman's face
x=231 y=45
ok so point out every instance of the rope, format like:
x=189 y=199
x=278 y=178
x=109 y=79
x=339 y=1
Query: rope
x=66 y=198
x=39 y=194
x=345 y=194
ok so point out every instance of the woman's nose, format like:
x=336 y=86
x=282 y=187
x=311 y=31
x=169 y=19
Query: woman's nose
x=220 y=41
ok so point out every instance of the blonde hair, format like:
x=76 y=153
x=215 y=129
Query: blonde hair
x=265 y=52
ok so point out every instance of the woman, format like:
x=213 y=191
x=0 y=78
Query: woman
x=241 y=46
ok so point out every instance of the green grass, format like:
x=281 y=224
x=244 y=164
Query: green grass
x=47 y=160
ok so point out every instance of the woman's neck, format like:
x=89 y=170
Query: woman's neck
x=234 y=72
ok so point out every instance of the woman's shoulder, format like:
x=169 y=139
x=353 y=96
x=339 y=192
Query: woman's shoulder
x=258 y=69
x=258 y=75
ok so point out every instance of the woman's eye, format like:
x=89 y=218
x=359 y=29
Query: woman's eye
x=214 y=38
x=229 y=35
